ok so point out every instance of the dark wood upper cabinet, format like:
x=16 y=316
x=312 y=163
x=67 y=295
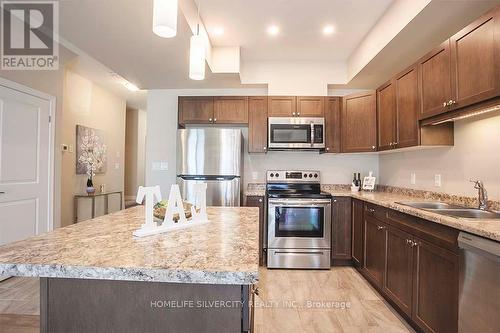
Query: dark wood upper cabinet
x=475 y=60
x=258 y=201
x=435 y=81
x=332 y=125
x=407 y=108
x=196 y=110
x=357 y=232
x=359 y=123
x=435 y=294
x=398 y=282
x=341 y=228
x=257 y=124
x=282 y=106
x=374 y=248
x=230 y=110
x=386 y=114
x=310 y=106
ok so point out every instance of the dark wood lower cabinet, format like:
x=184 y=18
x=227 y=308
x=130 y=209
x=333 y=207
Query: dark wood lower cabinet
x=435 y=293
x=398 y=282
x=341 y=230
x=357 y=232
x=375 y=238
x=413 y=263
x=258 y=201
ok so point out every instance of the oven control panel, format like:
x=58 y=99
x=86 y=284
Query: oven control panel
x=292 y=176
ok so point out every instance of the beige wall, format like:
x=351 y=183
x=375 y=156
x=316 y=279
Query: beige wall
x=476 y=154
x=87 y=104
x=135 y=145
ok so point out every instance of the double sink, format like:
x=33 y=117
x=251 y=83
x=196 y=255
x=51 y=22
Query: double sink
x=452 y=210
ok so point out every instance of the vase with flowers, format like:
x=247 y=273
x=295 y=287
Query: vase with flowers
x=93 y=156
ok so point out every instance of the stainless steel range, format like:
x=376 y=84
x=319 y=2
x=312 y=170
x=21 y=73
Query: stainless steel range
x=298 y=221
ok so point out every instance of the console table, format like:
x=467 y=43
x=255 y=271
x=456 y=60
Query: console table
x=92 y=197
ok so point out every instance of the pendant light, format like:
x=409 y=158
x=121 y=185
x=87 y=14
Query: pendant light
x=197 y=54
x=165 y=18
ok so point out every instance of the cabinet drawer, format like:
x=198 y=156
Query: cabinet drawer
x=375 y=211
x=435 y=233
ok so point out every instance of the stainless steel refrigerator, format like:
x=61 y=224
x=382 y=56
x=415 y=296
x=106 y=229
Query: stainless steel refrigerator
x=213 y=156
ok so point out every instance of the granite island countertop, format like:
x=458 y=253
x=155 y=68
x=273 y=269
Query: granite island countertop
x=224 y=251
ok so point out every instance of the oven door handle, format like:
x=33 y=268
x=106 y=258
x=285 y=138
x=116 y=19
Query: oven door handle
x=300 y=203
x=299 y=252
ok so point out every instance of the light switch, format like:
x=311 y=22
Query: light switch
x=156 y=166
x=437 y=180
x=117 y=166
x=163 y=166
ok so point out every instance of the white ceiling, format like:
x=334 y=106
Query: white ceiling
x=118 y=33
x=301 y=23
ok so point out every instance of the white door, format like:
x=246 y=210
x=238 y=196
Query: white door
x=24 y=165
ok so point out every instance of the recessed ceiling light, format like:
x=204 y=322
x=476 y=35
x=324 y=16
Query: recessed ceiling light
x=328 y=30
x=273 y=30
x=130 y=86
x=218 y=31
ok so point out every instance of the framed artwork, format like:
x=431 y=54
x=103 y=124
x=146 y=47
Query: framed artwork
x=90 y=151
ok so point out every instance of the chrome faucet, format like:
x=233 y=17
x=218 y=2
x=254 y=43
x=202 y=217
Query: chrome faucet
x=483 y=194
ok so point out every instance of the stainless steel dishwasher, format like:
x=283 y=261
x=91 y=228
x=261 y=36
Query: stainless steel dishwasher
x=479 y=302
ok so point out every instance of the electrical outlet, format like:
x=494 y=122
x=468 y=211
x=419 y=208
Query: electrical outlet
x=413 y=179
x=437 y=180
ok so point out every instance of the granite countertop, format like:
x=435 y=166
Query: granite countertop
x=224 y=251
x=485 y=228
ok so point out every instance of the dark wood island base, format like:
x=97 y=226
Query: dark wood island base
x=81 y=305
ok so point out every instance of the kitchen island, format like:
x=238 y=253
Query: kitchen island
x=95 y=276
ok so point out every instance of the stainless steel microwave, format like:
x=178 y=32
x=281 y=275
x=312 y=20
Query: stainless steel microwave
x=296 y=133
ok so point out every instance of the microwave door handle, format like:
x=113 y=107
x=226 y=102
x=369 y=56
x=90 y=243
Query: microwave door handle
x=312 y=134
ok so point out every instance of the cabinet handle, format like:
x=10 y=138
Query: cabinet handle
x=391 y=144
x=209 y=120
x=371 y=210
x=334 y=200
x=453 y=102
x=260 y=200
x=327 y=149
x=380 y=227
x=215 y=120
x=373 y=147
x=265 y=148
x=298 y=114
x=450 y=102
x=445 y=104
x=293 y=113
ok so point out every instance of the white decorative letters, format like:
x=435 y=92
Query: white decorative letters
x=150 y=193
x=175 y=206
